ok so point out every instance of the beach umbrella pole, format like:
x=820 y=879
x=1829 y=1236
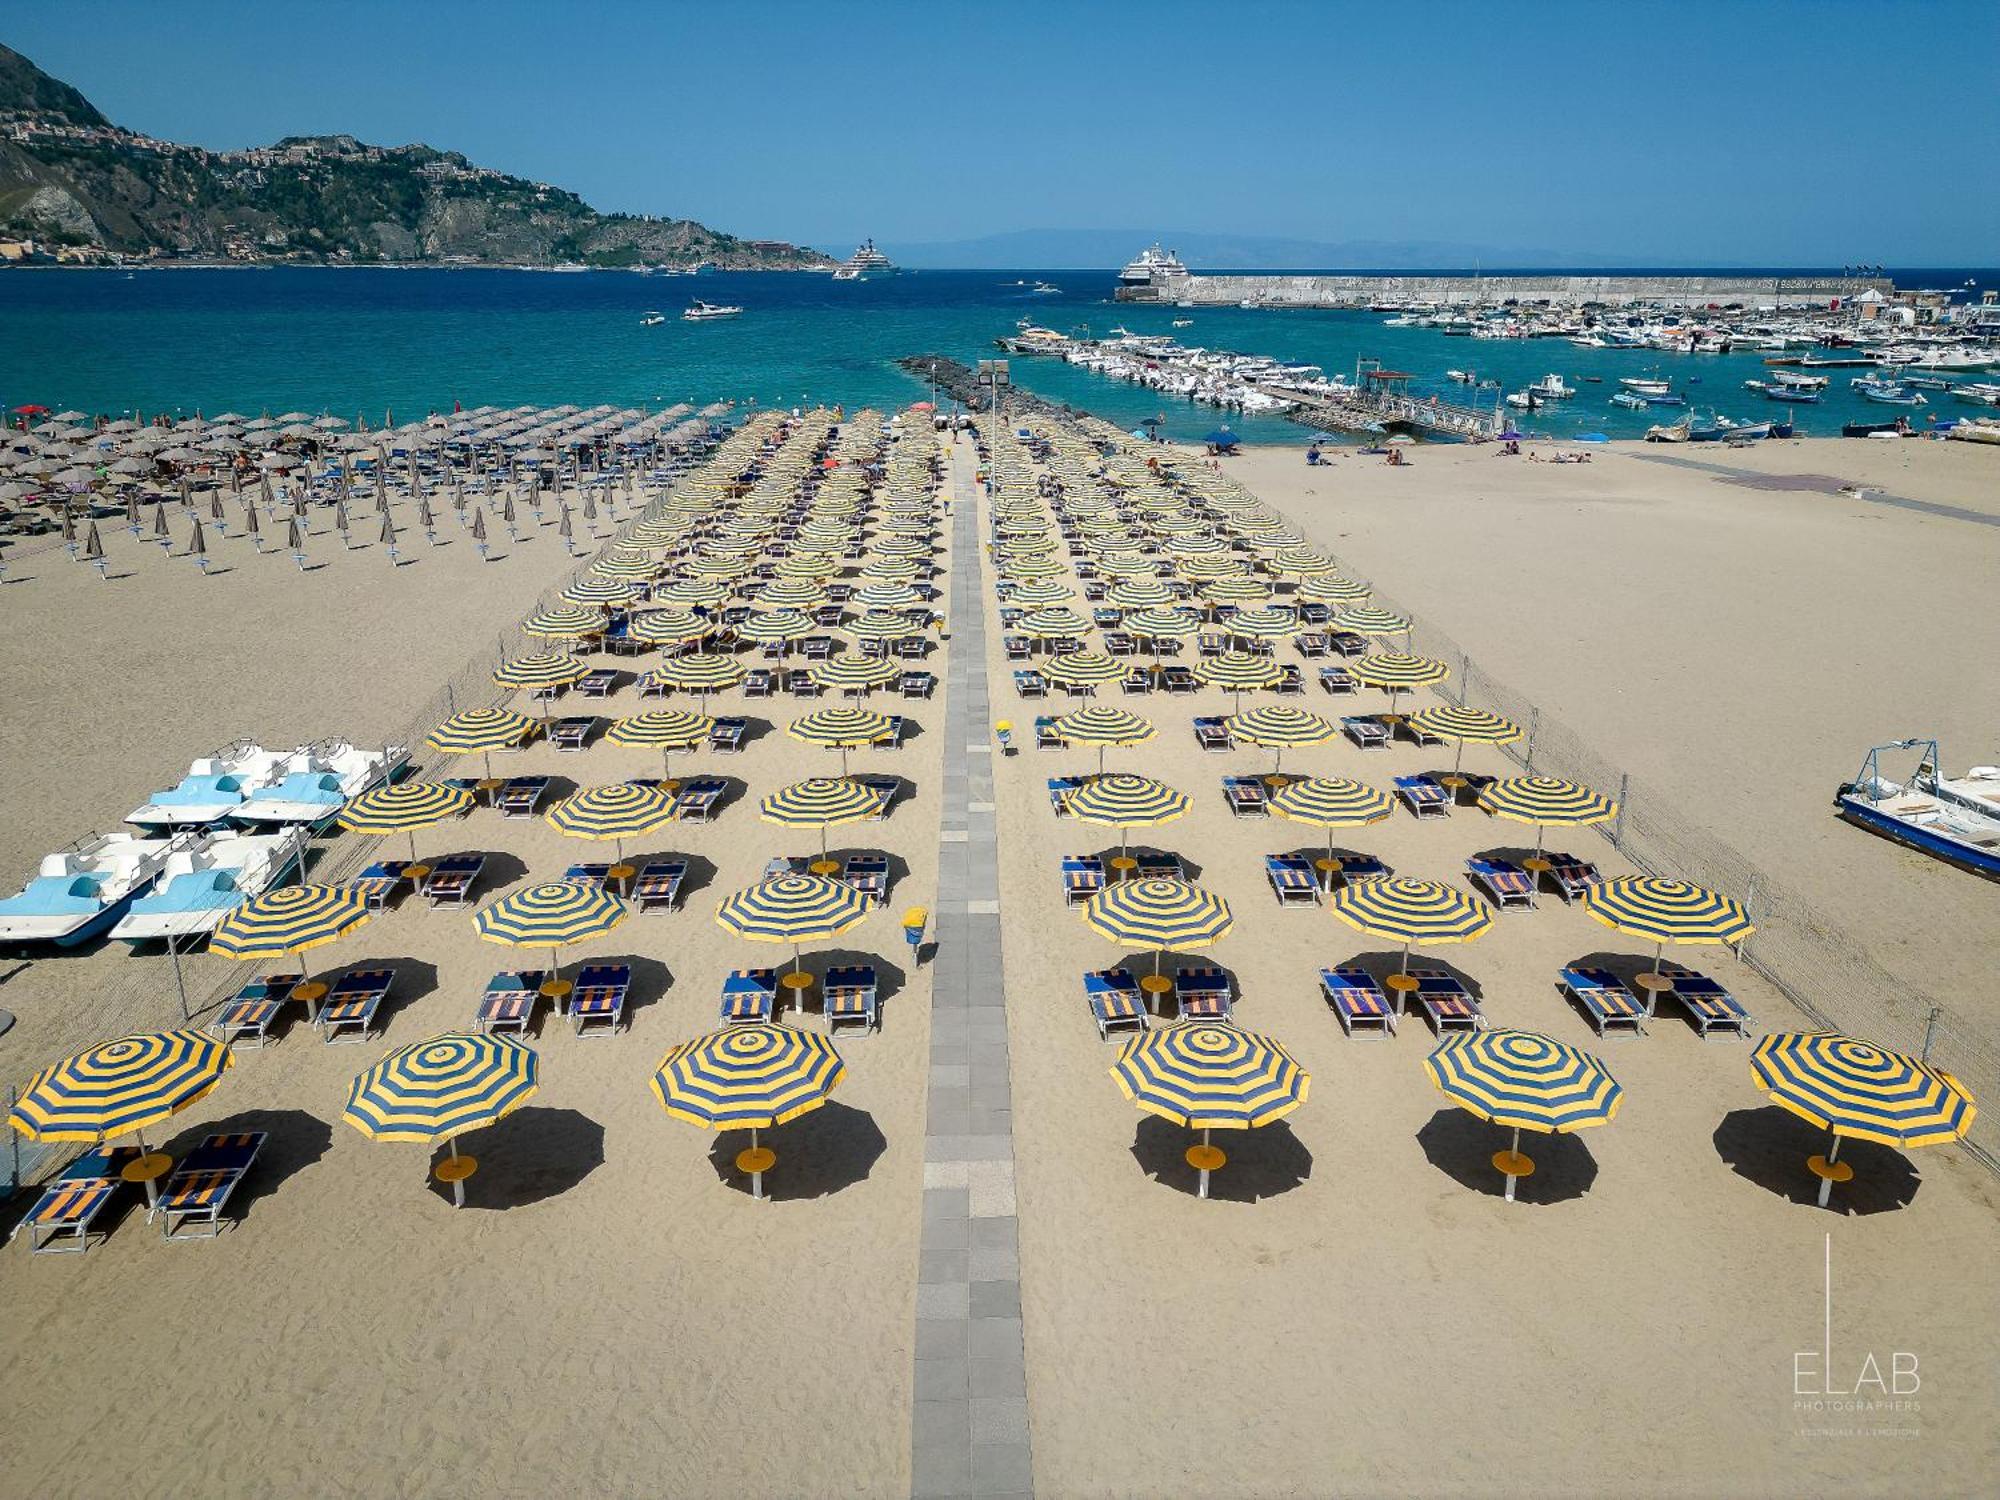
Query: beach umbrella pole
x=1201 y=1191
x=1513 y=1149
x=1826 y=1181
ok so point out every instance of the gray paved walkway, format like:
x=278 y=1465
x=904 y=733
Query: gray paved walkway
x=970 y=1422
x=1867 y=493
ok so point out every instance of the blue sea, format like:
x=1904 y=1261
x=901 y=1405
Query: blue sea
x=375 y=342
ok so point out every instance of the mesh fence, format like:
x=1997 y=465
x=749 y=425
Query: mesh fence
x=1805 y=955
x=189 y=988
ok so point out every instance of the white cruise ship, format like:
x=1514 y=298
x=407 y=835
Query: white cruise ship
x=864 y=263
x=1151 y=264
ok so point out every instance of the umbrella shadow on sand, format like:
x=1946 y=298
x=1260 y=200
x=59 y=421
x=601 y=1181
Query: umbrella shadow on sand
x=532 y=1155
x=833 y=1147
x=296 y=1141
x=1769 y=1146
x=1390 y=961
x=1262 y=1163
x=1190 y=870
x=1461 y=1146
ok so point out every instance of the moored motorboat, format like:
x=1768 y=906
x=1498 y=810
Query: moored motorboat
x=1959 y=827
x=706 y=312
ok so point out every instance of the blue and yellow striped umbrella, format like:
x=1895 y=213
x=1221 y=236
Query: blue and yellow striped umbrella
x=747 y=1077
x=670 y=626
x=119 y=1086
x=565 y=621
x=1667 y=911
x=818 y=802
x=1857 y=1089
x=551 y=915
x=479 y=729
x=1162 y=624
x=662 y=728
x=1030 y=567
x=1209 y=1077
x=700 y=673
x=881 y=625
x=1326 y=588
x=1037 y=592
x=855 y=671
x=606 y=590
x=290 y=919
x=1330 y=802
x=1053 y=620
x=1158 y=913
x=892 y=568
x=1140 y=593
x=886 y=596
x=1277 y=725
x=1394 y=671
x=1367 y=619
x=1268 y=624
x=625 y=567
x=691 y=591
x=1104 y=726
x=1410 y=911
x=1546 y=800
x=777 y=625
x=619 y=812
x=840 y=729
x=1450 y=722
x=544 y=669
x=1303 y=560
x=442 y=1087
x=1126 y=802
x=1524 y=1080
x=1082 y=669
x=792 y=909
x=410 y=805
x=791 y=593
x=1238 y=670
x=1227 y=588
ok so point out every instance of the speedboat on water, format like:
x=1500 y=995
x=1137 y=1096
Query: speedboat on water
x=318 y=781
x=652 y=320
x=1630 y=401
x=1885 y=392
x=200 y=885
x=213 y=788
x=1645 y=385
x=1791 y=395
x=703 y=312
x=79 y=892
x=1957 y=821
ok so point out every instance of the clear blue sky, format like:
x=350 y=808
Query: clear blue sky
x=1820 y=131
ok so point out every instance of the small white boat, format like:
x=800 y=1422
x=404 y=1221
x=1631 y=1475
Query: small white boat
x=1646 y=385
x=214 y=787
x=1630 y=401
x=704 y=312
x=1183 y=322
x=1459 y=377
x=318 y=781
x=200 y=885
x=1954 y=820
x=652 y=320
x=1552 y=387
x=79 y=892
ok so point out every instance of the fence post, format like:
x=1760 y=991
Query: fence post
x=1930 y=1030
x=1464 y=687
x=1534 y=724
x=1749 y=910
x=1618 y=823
x=13 y=1147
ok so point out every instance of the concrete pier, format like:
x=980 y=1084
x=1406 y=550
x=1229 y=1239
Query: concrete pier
x=1491 y=291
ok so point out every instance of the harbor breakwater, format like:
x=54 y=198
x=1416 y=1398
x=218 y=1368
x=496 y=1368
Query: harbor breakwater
x=1494 y=291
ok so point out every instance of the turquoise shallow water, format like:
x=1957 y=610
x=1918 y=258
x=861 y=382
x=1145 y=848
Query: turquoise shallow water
x=412 y=341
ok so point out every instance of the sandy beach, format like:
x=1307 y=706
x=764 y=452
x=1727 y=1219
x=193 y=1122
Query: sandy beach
x=1355 y=1310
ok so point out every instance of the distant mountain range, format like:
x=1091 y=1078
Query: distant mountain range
x=1111 y=248
x=85 y=189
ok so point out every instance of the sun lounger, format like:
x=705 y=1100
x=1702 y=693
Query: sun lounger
x=254 y=1008
x=1447 y=1002
x=1504 y=883
x=510 y=1000
x=868 y=876
x=800 y=684
x=1571 y=877
x=1293 y=880
x=1180 y=680
x=1202 y=994
x=1290 y=680
x=1211 y=733
x=547 y=692
x=1113 y=995
x=917 y=684
x=380 y=881
x=521 y=796
x=598 y=684
x=653 y=686
x=1312 y=643
x=696 y=801
x=451 y=879
x=1017 y=647
x=1356 y=867
x=1030 y=684
x=1047 y=736
x=1138 y=680
x=1158 y=867
x=1338 y=680
x=1708 y=1004
x=749 y=995
x=1423 y=797
x=1604 y=1001
x=1209 y=644
x=727 y=733
x=1357 y=1000
x=1060 y=788
x=572 y=733
x=912 y=648
x=597 y=1004
x=1347 y=643
x=588 y=873
x=60 y=1221
x=349 y=1011
x=1083 y=877
x=759 y=683
x=1311 y=613
x=658 y=886
x=849 y=993
x=1247 y=796
x=1366 y=731
x=192 y=1202
x=1416 y=733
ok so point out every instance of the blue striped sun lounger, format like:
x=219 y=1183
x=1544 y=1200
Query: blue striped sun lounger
x=1710 y=1006
x=60 y=1221
x=849 y=992
x=1083 y=877
x=1202 y=993
x=1292 y=879
x=597 y=1004
x=510 y=1000
x=254 y=1008
x=1604 y=1001
x=1447 y=1002
x=749 y=995
x=192 y=1203
x=349 y=1011
x=1357 y=1000
x=1113 y=995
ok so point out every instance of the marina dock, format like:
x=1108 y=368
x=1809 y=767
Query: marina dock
x=1331 y=291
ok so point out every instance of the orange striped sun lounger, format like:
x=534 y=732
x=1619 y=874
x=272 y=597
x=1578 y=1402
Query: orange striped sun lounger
x=191 y=1206
x=60 y=1221
x=1357 y=1000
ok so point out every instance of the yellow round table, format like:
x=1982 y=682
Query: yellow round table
x=1514 y=1165
x=1402 y=986
x=754 y=1162
x=1122 y=864
x=1327 y=867
x=147 y=1171
x=623 y=875
x=798 y=982
x=1152 y=986
x=826 y=867
x=453 y=1171
x=1204 y=1159
x=486 y=786
x=309 y=993
x=1276 y=782
x=557 y=992
x=417 y=874
x=1537 y=865
x=1829 y=1171
x=1654 y=986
